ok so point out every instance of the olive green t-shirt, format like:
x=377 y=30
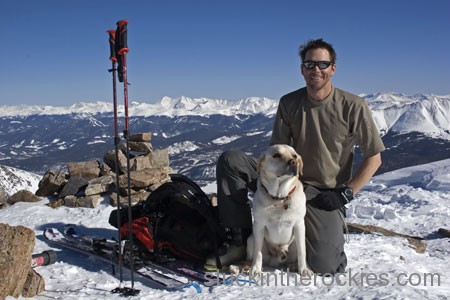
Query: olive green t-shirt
x=325 y=134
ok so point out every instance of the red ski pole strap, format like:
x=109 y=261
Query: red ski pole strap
x=121 y=37
x=112 y=45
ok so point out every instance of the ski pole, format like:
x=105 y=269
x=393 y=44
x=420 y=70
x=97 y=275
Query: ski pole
x=112 y=57
x=44 y=258
x=121 y=51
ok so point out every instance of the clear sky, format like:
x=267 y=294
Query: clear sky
x=55 y=52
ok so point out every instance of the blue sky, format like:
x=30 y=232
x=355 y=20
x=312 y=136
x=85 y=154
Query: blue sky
x=55 y=52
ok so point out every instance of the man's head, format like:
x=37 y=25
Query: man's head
x=317 y=44
x=318 y=66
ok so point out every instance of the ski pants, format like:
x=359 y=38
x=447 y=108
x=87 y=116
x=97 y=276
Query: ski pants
x=236 y=174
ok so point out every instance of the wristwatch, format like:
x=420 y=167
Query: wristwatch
x=347 y=193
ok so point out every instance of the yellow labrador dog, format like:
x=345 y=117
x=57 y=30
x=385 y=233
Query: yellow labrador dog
x=279 y=208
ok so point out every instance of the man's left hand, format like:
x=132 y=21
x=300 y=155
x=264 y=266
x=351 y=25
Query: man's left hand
x=329 y=200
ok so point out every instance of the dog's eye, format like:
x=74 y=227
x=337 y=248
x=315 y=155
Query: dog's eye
x=276 y=155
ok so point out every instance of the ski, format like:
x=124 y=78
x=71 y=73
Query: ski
x=107 y=251
x=167 y=265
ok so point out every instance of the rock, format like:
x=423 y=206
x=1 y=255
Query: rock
x=3 y=197
x=140 y=163
x=86 y=201
x=100 y=185
x=141 y=137
x=140 y=195
x=55 y=204
x=153 y=187
x=155 y=159
x=137 y=147
x=70 y=201
x=34 y=284
x=23 y=196
x=73 y=186
x=159 y=158
x=144 y=178
x=89 y=201
x=16 y=247
x=87 y=170
x=110 y=159
x=105 y=170
x=51 y=183
x=444 y=232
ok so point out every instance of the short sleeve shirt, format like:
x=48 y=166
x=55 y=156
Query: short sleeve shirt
x=325 y=134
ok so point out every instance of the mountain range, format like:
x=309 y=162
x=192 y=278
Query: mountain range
x=415 y=130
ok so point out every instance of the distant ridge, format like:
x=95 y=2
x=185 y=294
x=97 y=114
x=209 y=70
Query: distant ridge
x=425 y=113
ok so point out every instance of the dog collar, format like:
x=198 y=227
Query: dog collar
x=285 y=205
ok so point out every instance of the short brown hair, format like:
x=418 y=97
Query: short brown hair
x=317 y=44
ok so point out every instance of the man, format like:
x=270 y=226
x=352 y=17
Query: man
x=323 y=124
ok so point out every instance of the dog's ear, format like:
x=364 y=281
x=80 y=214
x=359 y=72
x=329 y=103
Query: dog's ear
x=260 y=162
x=300 y=165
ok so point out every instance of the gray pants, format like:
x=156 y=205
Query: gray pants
x=236 y=174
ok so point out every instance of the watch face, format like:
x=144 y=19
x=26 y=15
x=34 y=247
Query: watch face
x=348 y=192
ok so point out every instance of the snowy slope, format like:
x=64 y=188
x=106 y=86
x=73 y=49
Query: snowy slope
x=414 y=201
x=402 y=113
x=13 y=180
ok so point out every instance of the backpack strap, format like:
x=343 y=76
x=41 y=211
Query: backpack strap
x=213 y=224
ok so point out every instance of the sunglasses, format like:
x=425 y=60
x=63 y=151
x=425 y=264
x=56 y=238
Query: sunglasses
x=312 y=64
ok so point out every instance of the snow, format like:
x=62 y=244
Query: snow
x=97 y=142
x=414 y=201
x=225 y=139
x=186 y=146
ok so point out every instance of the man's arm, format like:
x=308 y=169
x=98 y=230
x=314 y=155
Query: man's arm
x=281 y=132
x=334 y=199
x=367 y=169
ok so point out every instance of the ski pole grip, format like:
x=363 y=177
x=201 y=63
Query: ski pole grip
x=121 y=37
x=43 y=259
x=112 y=45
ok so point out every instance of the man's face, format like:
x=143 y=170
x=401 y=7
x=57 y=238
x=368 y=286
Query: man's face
x=317 y=79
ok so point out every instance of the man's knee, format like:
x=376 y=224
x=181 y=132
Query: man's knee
x=230 y=158
x=326 y=259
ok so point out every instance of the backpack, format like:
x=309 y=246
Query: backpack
x=179 y=217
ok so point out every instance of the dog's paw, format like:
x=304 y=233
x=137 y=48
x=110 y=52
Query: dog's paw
x=256 y=270
x=233 y=269
x=305 y=272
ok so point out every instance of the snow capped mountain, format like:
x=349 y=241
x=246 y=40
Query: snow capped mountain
x=171 y=107
x=395 y=112
x=421 y=113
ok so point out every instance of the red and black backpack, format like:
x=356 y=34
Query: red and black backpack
x=179 y=218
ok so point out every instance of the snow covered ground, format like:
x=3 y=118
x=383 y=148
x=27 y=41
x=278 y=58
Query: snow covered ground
x=414 y=201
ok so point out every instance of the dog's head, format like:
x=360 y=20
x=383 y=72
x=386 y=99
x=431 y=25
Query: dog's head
x=280 y=161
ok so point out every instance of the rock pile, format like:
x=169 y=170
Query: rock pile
x=85 y=183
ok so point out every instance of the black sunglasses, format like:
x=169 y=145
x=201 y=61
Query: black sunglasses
x=323 y=64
